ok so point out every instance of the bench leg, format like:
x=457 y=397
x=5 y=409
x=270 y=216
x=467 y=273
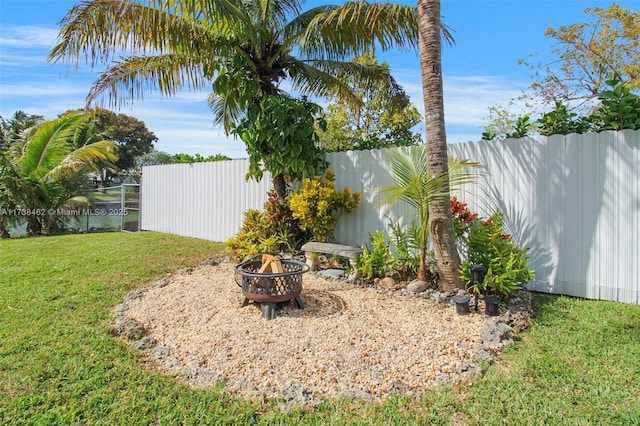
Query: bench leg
x=312 y=261
x=355 y=274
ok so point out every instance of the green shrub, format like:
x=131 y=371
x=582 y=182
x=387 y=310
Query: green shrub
x=485 y=243
x=271 y=230
x=317 y=205
x=405 y=247
x=373 y=263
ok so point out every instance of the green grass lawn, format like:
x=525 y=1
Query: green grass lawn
x=578 y=365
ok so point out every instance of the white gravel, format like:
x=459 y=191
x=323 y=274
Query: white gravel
x=348 y=339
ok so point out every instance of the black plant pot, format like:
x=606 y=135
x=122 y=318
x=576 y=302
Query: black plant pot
x=462 y=304
x=491 y=306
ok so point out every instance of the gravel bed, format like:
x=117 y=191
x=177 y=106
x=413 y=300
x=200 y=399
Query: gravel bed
x=350 y=340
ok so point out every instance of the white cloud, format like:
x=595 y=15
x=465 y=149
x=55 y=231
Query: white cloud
x=28 y=36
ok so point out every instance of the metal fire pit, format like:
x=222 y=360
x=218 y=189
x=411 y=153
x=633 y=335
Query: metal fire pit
x=268 y=289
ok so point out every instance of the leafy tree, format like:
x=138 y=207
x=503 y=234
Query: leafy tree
x=441 y=222
x=385 y=119
x=619 y=109
x=244 y=50
x=132 y=135
x=587 y=53
x=561 y=121
x=187 y=158
x=279 y=132
x=48 y=171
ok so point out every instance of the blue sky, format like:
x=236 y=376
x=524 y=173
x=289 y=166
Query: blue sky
x=480 y=71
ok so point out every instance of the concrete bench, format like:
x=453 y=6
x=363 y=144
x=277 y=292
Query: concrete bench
x=350 y=252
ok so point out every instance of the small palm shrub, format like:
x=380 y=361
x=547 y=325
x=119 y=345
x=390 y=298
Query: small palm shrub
x=397 y=256
x=485 y=243
x=405 y=248
x=317 y=205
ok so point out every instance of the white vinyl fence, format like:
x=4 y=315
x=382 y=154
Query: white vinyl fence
x=573 y=200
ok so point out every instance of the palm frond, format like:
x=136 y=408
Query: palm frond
x=95 y=31
x=48 y=145
x=133 y=77
x=102 y=154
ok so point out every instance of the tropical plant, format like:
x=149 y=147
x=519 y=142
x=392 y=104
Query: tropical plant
x=243 y=50
x=619 y=108
x=280 y=136
x=372 y=263
x=317 y=205
x=273 y=229
x=12 y=128
x=560 y=121
x=419 y=189
x=485 y=243
x=405 y=249
x=51 y=166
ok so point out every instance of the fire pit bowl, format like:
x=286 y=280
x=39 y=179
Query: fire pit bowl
x=271 y=288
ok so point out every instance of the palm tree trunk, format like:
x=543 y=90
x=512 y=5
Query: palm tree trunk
x=441 y=222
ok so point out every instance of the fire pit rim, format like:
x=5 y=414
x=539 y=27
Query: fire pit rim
x=305 y=268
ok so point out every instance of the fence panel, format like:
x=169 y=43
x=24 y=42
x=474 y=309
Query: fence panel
x=573 y=200
x=202 y=200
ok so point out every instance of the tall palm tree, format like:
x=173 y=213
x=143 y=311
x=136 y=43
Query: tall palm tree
x=441 y=221
x=243 y=49
x=415 y=185
x=45 y=174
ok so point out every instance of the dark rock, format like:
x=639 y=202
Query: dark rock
x=121 y=308
x=162 y=282
x=161 y=352
x=210 y=262
x=443 y=379
x=204 y=377
x=135 y=294
x=145 y=343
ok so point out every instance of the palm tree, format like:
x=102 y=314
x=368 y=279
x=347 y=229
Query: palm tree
x=244 y=49
x=46 y=172
x=12 y=128
x=419 y=189
x=441 y=225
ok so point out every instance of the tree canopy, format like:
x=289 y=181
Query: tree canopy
x=385 y=119
x=587 y=54
x=242 y=50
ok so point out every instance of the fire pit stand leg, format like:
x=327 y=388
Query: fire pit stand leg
x=245 y=302
x=299 y=302
x=268 y=310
